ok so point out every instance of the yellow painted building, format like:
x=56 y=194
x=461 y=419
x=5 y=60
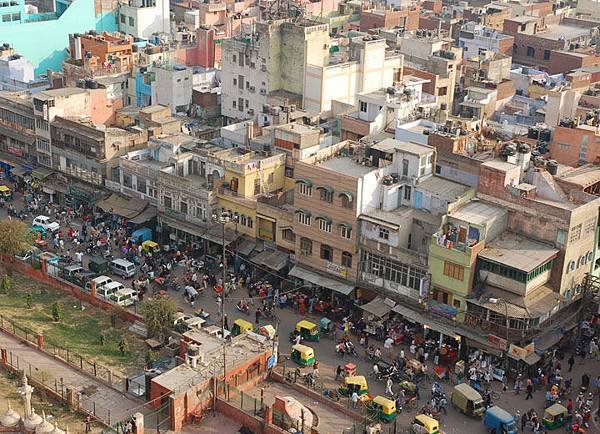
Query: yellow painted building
x=248 y=177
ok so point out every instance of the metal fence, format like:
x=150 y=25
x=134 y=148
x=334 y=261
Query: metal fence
x=72 y=358
x=57 y=388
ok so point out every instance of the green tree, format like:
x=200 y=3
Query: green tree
x=123 y=346
x=158 y=315
x=5 y=284
x=29 y=300
x=56 y=311
x=150 y=357
x=15 y=237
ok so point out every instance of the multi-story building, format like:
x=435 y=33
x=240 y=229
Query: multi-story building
x=395 y=234
x=404 y=17
x=143 y=18
x=474 y=39
x=17 y=125
x=101 y=54
x=16 y=72
x=70 y=101
x=574 y=141
x=53 y=28
x=269 y=65
x=172 y=87
x=89 y=152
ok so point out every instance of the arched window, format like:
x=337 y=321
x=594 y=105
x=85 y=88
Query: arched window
x=347 y=259
x=326 y=252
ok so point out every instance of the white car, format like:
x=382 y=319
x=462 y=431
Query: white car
x=46 y=223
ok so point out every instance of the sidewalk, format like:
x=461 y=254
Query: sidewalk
x=109 y=405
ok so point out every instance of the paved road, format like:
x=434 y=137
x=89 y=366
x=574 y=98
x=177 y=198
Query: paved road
x=453 y=422
x=108 y=401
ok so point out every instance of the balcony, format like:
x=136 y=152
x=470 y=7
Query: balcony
x=454 y=251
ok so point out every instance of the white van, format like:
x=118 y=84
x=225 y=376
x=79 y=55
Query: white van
x=124 y=297
x=109 y=289
x=122 y=267
x=100 y=282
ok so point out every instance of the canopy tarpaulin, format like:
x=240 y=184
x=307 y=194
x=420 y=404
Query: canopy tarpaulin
x=126 y=207
x=379 y=306
x=145 y=216
x=317 y=279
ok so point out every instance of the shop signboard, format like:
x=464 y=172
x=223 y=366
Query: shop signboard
x=497 y=342
x=517 y=352
x=336 y=269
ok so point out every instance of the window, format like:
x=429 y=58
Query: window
x=6 y=18
x=575 y=233
x=131 y=22
x=304 y=219
x=234 y=103
x=392 y=270
x=346 y=232
x=234 y=61
x=326 y=195
x=404 y=167
x=561 y=237
x=454 y=271
x=384 y=233
x=270 y=178
x=288 y=235
x=407 y=190
x=167 y=202
x=347 y=259
x=241 y=104
x=346 y=201
x=547 y=54
x=456 y=303
x=590 y=226
x=123 y=19
x=305 y=247
x=363 y=106
x=443 y=91
x=324 y=225
x=304 y=189
x=530 y=52
x=326 y=252
x=515 y=49
x=183 y=207
x=234 y=81
x=438 y=169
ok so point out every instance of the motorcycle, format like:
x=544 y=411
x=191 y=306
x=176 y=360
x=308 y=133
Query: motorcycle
x=244 y=308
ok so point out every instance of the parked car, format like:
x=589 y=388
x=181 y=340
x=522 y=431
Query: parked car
x=107 y=291
x=100 y=282
x=46 y=223
x=122 y=267
x=124 y=297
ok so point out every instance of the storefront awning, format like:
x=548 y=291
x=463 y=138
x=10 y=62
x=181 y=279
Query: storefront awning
x=41 y=173
x=215 y=235
x=379 y=306
x=186 y=227
x=272 y=259
x=18 y=171
x=317 y=279
x=127 y=207
x=245 y=247
x=145 y=216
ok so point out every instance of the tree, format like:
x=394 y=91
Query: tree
x=5 y=284
x=56 y=312
x=15 y=237
x=123 y=346
x=158 y=315
x=150 y=358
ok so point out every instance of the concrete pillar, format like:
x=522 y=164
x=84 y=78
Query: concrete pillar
x=44 y=266
x=40 y=342
x=268 y=415
x=138 y=419
x=4 y=356
x=93 y=289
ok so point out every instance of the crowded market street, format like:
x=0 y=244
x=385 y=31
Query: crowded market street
x=285 y=315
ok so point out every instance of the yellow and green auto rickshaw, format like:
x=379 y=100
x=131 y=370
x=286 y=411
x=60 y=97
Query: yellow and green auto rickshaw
x=150 y=247
x=383 y=408
x=241 y=326
x=303 y=355
x=352 y=383
x=5 y=193
x=308 y=330
x=423 y=424
x=555 y=416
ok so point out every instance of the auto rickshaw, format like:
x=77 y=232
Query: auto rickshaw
x=241 y=326
x=150 y=247
x=423 y=424
x=352 y=383
x=555 y=416
x=303 y=355
x=308 y=330
x=499 y=421
x=5 y=193
x=467 y=400
x=383 y=408
x=325 y=326
x=268 y=331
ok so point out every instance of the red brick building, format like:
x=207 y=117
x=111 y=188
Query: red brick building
x=407 y=18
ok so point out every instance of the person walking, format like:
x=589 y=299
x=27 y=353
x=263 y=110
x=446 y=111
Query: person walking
x=571 y=362
x=257 y=315
x=517 y=417
x=316 y=369
x=529 y=389
x=388 y=387
x=88 y=423
x=354 y=399
x=338 y=372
